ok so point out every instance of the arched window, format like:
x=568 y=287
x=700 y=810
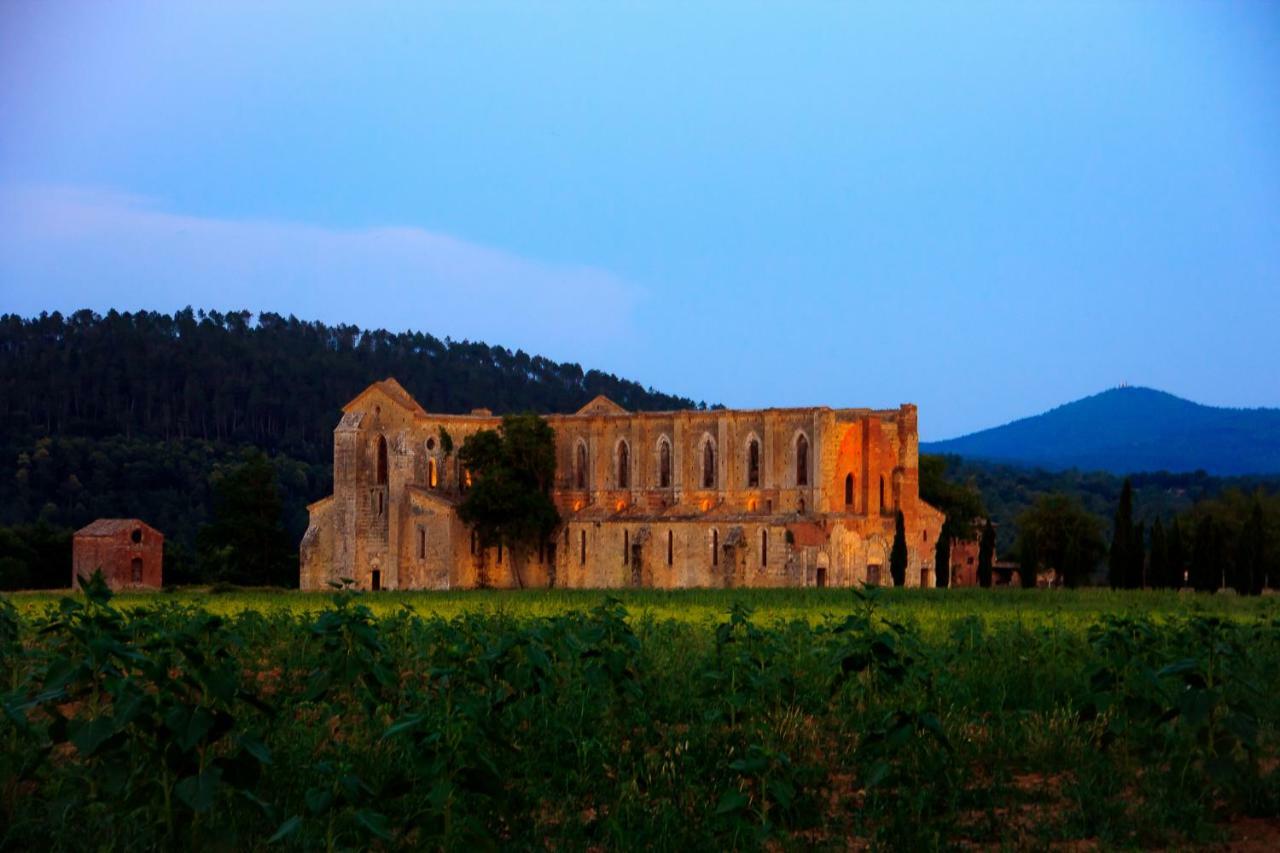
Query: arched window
x=715 y=547
x=708 y=465
x=664 y=464
x=671 y=550
x=624 y=465
x=135 y=570
x=764 y=547
x=882 y=492
x=626 y=545
x=848 y=489
x=802 y=461
x=753 y=464
x=380 y=471
x=433 y=477
x=580 y=467
x=582 y=547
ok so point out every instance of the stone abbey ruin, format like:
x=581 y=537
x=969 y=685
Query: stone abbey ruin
x=718 y=498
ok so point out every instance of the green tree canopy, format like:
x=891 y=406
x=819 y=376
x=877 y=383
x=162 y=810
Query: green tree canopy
x=1058 y=533
x=986 y=554
x=246 y=542
x=512 y=470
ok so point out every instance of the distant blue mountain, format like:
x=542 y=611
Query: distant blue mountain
x=1132 y=429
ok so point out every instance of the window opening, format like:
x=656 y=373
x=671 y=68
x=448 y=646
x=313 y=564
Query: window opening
x=380 y=474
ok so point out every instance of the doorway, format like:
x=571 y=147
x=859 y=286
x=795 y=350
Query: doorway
x=135 y=569
x=375 y=580
x=820 y=578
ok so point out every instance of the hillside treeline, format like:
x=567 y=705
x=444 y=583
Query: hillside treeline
x=271 y=381
x=140 y=415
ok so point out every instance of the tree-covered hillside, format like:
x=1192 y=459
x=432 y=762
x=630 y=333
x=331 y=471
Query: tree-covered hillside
x=1128 y=429
x=271 y=381
x=144 y=414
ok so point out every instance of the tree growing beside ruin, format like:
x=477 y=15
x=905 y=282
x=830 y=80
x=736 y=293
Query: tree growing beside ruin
x=1176 y=559
x=1058 y=533
x=512 y=470
x=942 y=562
x=1158 y=564
x=986 y=554
x=898 y=555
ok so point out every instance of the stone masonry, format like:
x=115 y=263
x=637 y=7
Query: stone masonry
x=719 y=498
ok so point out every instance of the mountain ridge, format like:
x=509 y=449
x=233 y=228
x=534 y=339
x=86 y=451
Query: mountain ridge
x=1129 y=429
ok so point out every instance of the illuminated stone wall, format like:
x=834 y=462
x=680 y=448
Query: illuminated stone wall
x=815 y=508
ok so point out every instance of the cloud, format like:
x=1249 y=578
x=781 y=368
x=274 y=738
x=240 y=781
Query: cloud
x=69 y=248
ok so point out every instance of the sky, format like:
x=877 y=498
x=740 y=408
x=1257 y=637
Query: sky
x=987 y=209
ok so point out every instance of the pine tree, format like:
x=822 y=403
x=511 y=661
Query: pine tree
x=942 y=560
x=986 y=554
x=1176 y=565
x=1118 y=560
x=898 y=556
x=1158 y=565
x=246 y=543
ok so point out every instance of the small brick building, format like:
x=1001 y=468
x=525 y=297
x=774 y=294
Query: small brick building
x=129 y=552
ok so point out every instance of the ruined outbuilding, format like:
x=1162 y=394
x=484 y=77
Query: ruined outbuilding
x=719 y=498
x=129 y=552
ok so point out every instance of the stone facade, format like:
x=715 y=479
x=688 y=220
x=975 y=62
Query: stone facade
x=129 y=552
x=720 y=498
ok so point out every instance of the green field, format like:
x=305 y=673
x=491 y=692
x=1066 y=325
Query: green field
x=691 y=720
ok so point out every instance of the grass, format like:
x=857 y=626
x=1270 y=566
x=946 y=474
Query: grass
x=698 y=719
x=932 y=611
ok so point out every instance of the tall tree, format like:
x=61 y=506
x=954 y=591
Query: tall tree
x=986 y=554
x=246 y=542
x=1136 y=574
x=1058 y=533
x=1158 y=565
x=1119 y=560
x=512 y=470
x=942 y=561
x=898 y=556
x=1176 y=566
x=1251 y=554
x=1206 y=557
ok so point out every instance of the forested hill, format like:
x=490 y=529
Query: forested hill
x=1132 y=429
x=275 y=382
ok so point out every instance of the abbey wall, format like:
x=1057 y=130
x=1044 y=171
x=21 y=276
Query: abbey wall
x=719 y=498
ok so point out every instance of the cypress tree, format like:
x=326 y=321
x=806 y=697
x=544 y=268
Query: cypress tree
x=1251 y=554
x=1176 y=564
x=1118 y=560
x=1158 y=565
x=942 y=560
x=898 y=556
x=1135 y=576
x=1206 y=574
x=986 y=554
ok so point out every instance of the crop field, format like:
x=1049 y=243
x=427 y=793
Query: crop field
x=686 y=720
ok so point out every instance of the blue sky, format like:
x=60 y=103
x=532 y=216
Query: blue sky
x=984 y=208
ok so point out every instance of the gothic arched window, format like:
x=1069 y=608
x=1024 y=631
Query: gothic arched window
x=624 y=465
x=848 y=489
x=753 y=464
x=664 y=464
x=433 y=477
x=580 y=467
x=380 y=471
x=708 y=465
x=802 y=461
